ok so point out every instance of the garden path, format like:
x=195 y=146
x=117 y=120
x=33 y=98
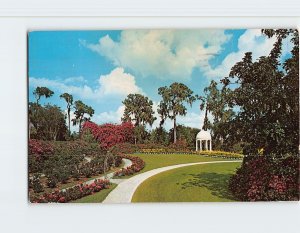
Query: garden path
x=110 y=175
x=124 y=191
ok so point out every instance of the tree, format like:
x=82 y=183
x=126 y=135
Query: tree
x=138 y=109
x=42 y=91
x=214 y=102
x=69 y=99
x=81 y=110
x=266 y=94
x=48 y=121
x=185 y=133
x=173 y=99
x=159 y=135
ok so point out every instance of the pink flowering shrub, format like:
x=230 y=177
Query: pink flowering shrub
x=109 y=135
x=264 y=178
x=71 y=194
x=39 y=148
x=137 y=165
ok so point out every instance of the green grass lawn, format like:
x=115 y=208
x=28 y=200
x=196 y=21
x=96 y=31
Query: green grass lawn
x=207 y=182
x=153 y=161
x=97 y=197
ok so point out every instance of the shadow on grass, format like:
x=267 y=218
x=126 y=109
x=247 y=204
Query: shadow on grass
x=216 y=183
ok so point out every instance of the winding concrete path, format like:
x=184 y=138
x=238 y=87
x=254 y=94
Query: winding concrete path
x=109 y=176
x=123 y=193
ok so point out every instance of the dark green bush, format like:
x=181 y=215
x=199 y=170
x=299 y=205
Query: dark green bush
x=52 y=181
x=36 y=184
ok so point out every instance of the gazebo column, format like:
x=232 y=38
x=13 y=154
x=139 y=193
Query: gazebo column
x=206 y=145
x=210 y=145
x=196 y=144
x=200 y=145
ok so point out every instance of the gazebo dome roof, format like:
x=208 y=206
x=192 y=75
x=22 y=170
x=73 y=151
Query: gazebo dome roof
x=203 y=135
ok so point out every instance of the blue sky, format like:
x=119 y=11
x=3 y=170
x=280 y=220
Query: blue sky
x=102 y=67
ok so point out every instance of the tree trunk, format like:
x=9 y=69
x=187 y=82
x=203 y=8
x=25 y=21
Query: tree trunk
x=80 y=121
x=174 y=130
x=69 y=122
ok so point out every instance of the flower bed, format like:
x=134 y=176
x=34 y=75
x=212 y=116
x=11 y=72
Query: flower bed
x=71 y=194
x=137 y=165
x=40 y=148
x=221 y=154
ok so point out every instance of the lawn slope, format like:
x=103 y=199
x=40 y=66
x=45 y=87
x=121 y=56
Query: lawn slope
x=207 y=183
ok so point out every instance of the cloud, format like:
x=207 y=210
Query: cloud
x=165 y=54
x=251 y=41
x=72 y=80
x=117 y=82
x=110 y=116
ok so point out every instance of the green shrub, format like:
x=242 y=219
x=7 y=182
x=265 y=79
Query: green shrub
x=87 y=171
x=52 y=181
x=36 y=184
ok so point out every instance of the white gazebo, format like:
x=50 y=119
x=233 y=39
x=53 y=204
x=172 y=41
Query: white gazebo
x=203 y=141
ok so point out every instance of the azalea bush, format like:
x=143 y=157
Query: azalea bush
x=71 y=194
x=137 y=165
x=40 y=148
x=267 y=178
x=108 y=135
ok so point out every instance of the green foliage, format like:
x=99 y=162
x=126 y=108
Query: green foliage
x=81 y=110
x=259 y=101
x=138 y=109
x=88 y=137
x=48 y=122
x=159 y=136
x=140 y=134
x=185 y=133
x=214 y=102
x=173 y=102
x=36 y=184
x=42 y=91
x=52 y=181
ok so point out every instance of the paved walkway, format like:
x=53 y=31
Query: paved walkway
x=109 y=176
x=124 y=191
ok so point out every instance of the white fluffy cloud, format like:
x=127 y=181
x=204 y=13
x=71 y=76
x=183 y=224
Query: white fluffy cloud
x=110 y=116
x=115 y=83
x=166 y=54
x=251 y=41
x=118 y=82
